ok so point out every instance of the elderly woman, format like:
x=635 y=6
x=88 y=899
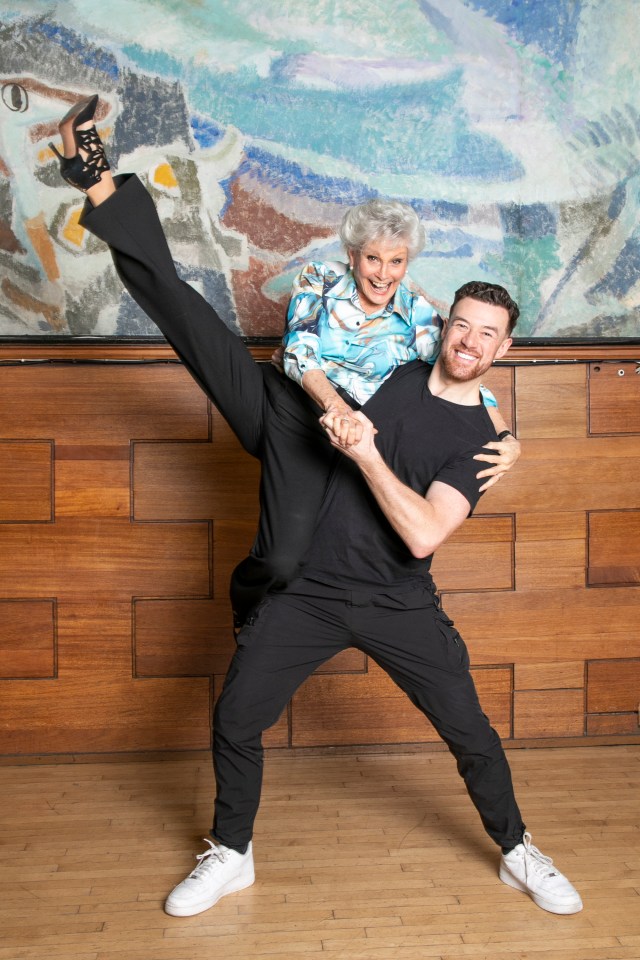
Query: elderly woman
x=356 y=324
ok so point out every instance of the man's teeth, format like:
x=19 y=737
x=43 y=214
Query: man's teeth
x=465 y=356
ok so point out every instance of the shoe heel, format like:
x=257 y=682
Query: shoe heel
x=507 y=877
x=53 y=147
x=82 y=111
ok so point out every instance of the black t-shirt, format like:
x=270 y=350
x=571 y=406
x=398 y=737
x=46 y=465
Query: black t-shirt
x=422 y=438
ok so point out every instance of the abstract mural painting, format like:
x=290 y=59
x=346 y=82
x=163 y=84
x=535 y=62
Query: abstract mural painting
x=512 y=127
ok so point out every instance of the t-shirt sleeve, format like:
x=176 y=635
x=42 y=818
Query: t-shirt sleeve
x=460 y=473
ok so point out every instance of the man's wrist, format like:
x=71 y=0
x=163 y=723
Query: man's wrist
x=504 y=434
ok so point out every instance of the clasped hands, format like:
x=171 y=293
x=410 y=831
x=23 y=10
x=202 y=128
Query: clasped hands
x=345 y=427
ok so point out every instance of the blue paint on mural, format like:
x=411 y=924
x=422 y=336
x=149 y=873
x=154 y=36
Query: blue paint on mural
x=552 y=26
x=298 y=181
x=532 y=220
x=352 y=125
x=206 y=132
x=493 y=118
x=349 y=125
x=624 y=273
x=441 y=210
x=76 y=45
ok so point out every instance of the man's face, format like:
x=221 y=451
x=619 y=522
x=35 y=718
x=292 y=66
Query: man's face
x=378 y=270
x=475 y=336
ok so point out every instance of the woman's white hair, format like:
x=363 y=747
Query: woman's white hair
x=380 y=219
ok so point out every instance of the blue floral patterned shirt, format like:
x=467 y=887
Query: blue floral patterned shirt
x=328 y=330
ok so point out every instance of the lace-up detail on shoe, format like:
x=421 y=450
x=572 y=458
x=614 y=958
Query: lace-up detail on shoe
x=208 y=860
x=220 y=871
x=527 y=869
x=536 y=862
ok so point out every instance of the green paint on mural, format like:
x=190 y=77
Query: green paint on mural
x=523 y=267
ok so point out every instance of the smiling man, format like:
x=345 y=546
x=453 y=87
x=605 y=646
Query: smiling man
x=396 y=495
x=475 y=337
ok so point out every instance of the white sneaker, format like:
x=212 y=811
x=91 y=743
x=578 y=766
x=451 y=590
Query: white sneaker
x=219 y=872
x=526 y=869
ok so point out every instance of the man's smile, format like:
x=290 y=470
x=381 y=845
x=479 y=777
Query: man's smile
x=465 y=356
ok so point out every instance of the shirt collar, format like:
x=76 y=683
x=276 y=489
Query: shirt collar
x=345 y=289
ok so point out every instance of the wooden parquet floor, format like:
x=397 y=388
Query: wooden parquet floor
x=358 y=857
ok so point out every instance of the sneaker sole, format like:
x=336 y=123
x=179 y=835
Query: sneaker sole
x=549 y=906
x=234 y=886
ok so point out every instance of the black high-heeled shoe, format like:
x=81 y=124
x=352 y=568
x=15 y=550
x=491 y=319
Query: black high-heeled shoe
x=81 y=172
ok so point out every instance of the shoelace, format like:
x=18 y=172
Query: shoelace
x=535 y=860
x=208 y=859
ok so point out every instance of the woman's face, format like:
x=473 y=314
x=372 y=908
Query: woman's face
x=378 y=270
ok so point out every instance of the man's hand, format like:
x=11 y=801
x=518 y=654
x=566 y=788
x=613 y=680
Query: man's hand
x=343 y=425
x=506 y=454
x=352 y=433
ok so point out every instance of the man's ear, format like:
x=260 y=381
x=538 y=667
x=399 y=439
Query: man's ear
x=502 y=349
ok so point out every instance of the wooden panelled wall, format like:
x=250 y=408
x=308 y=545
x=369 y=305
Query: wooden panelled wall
x=125 y=501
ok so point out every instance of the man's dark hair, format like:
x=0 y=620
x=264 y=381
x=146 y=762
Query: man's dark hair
x=491 y=293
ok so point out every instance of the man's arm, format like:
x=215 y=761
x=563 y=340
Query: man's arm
x=423 y=523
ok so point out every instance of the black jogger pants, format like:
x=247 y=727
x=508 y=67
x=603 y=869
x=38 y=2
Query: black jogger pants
x=408 y=634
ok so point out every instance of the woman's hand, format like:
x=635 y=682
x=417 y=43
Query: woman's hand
x=277 y=358
x=341 y=423
x=504 y=454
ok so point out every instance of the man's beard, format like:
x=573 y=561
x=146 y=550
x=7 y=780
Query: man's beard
x=462 y=372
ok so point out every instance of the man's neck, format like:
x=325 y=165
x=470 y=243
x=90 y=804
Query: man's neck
x=464 y=392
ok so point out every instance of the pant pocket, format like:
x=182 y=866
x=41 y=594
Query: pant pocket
x=455 y=647
x=251 y=622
